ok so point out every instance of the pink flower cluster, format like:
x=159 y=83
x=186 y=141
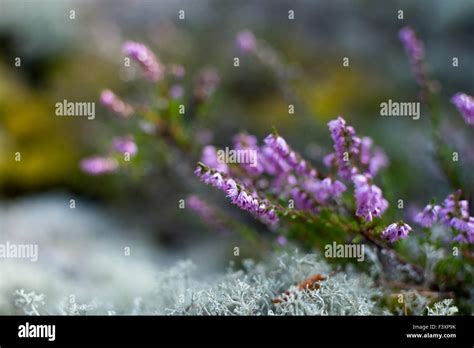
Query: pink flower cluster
x=98 y=165
x=356 y=159
x=454 y=213
x=151 y=66
x=428 y=216
x=353 y=155
x=115 y=104
x=239 y=194
x=125 y=145
x=248 y=144
x=346 y=147
x=314 y=193
x=289 y=157
x=465 y=104
x=200 y=207
x=209 y=158
x=415 y=52
x=292 y=177
x=369 y=198
x=396 y=231
x=246 y=42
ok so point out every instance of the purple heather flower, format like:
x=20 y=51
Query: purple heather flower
x=216 y=180
x=287 y=158
x=372 y=158
x=269 y=217
x=243 y=141
x=211 y=177
x=248 y=143
x=416 y=54
x=369 y=198
x=209 y=158
x=178 y=71
x=303 y=200
x=201 y=208
x=378 y=161
x=231 y=188
x=206 y=212
x=98 y=165
x=112 y=102
x=365 y=148
x=466 y=237
x=465 y=105
x=464 y=225
x=428 y=216
x=278 y=144
x=329 y=160
x=454 y=213
x=243 y=200
x=325 y=189
x=337 y=187
x=396 y=231
x=448 y=208
x=246 y=42
x=461 y=238
x=346 y=146
x=239 y=195
x=281 y=240
x=272 y=162
x=152 y=67
x=176 y=91
x=413 y=46
x=453 y=206
x=469 y=232
x=353 y=155
x=125 y=145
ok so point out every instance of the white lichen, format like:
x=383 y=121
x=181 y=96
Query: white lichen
x=252 y=290
x=444 y=307
x=29 y=303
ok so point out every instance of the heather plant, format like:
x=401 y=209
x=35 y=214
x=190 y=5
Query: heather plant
x=416 y=260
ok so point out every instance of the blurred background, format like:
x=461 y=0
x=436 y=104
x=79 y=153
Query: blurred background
x=75 y=59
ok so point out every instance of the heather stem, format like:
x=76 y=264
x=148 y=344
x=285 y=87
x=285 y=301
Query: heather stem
x=442 y=150
x=366 y=233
